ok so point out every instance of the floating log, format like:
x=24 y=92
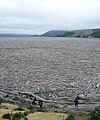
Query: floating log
x=35 y=96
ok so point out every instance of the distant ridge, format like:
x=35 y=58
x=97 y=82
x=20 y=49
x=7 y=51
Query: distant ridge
x=86 y=33
x=91 y=33
x=17 y=35
x=54 y=33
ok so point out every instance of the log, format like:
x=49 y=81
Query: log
x=35 y=96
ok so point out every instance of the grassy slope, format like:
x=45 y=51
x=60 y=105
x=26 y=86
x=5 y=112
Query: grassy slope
x=7 y=108
x=47 y=116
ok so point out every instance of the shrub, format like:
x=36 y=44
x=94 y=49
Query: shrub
x=80 y=114
x=19 y=116
x=95 y=115
x=70 y=117
x=32 y=109
x=15 y=116
x=25 y=118
x=41 y=110
x=26 y=113
x=97 y=108
x=6 y=116
x=19 y=108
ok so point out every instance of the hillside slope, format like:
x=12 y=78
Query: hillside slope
x=91 y=33
x=6 y=108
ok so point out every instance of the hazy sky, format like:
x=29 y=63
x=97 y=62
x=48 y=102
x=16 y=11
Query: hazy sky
x=39 y=16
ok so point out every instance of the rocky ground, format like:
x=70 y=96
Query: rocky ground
x=51 y=67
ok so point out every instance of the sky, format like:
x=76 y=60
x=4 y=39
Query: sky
x=40 y=16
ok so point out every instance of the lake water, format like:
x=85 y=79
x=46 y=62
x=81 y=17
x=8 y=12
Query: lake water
x=47 y=38
x=55 y=66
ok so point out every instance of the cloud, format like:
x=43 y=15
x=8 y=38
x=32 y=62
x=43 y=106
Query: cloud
x=38 y=16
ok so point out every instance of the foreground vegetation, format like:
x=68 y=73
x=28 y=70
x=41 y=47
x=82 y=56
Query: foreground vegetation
x=14 y=112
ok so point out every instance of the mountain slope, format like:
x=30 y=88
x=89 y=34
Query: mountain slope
x=54 y=33
x=92 y=33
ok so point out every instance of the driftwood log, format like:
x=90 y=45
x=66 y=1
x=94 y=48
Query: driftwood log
x=35 y=96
